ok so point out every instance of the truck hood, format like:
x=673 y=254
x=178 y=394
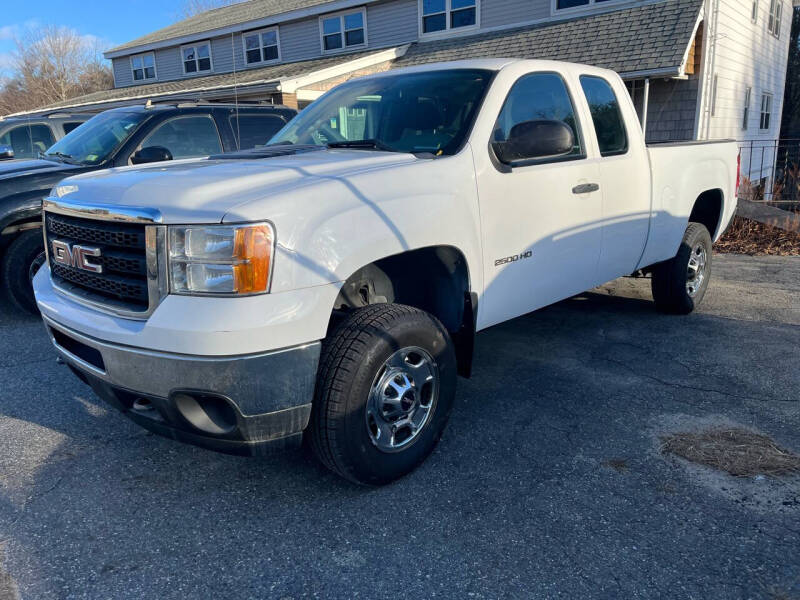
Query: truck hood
x=26 y=182
x=204 y=191
x=19 y=168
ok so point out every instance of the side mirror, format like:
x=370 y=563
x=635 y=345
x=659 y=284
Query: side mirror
x=6 y=152
x=151 y=154
x=531 y=140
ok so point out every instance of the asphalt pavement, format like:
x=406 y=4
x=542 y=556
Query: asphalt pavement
x=548 y=483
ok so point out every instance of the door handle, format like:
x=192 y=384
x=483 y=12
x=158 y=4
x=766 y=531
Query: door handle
x=586 y=188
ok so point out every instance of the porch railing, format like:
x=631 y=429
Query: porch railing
x=771 y=172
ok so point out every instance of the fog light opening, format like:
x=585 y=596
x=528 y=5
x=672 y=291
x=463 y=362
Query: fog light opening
x=142 y=405
x=206 y=412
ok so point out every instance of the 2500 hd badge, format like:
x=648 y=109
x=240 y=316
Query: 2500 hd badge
x=511 y=259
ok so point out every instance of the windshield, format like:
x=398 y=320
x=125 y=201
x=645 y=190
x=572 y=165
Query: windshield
x=431 y=111
x=95 y=140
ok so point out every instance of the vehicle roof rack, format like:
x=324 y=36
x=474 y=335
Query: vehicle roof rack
x=56 y=113
x=204 y=101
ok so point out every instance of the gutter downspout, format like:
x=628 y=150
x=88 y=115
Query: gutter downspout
x=645 y=106
x=712 y=13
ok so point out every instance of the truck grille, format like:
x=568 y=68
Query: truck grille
x=122 y=283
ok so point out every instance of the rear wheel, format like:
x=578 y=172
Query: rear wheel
x=22 y=260
x=680 y=284
x=385 y=389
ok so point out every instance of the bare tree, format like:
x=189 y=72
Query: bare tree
x=190 y=8
x=52 y=64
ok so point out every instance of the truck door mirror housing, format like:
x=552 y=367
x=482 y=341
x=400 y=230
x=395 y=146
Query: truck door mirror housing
x=6 y=152
x=533 y=140
x=151 y=154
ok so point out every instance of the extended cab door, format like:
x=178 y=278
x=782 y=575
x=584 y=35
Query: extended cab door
x=624 y=175
x=541 y=218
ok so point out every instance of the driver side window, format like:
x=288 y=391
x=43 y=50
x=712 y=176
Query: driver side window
x=539 y=97
x=186 y=137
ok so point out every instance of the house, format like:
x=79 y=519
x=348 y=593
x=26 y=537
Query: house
x=696 y=69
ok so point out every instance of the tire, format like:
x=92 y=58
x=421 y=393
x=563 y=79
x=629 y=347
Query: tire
x=675 y=285
x=20 y=263
x=344 y=431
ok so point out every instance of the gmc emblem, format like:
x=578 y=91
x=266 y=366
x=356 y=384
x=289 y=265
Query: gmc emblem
x=76 y=256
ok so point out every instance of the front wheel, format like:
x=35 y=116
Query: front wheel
x=22 y=260
x=385 y=388
x=680 y=284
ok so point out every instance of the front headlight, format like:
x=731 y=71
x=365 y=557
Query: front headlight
x=221 y=259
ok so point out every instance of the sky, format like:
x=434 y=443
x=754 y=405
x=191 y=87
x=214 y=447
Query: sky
x=111 y=23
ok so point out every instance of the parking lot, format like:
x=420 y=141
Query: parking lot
x=548 y=483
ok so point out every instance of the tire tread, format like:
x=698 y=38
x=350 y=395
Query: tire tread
x=341 y=353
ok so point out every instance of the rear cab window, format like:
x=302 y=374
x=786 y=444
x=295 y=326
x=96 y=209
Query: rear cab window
x=609 y=125
x=69 y=126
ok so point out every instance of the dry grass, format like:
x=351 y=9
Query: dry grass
x=745 y=236
x=739 y=452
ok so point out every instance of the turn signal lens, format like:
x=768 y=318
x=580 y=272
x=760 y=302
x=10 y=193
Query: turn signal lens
x=253 y=253
x=221 y=259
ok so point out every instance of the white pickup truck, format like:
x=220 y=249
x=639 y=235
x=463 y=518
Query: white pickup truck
x=331 y=283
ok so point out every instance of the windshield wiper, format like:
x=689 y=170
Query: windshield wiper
x=67 y=158
x=362 y=145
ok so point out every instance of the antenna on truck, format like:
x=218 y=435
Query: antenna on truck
x=236 y=96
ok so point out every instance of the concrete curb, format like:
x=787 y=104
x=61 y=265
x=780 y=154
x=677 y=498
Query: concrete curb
x=769 y=215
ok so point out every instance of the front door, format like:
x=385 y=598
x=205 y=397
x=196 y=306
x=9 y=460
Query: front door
x=541 y=219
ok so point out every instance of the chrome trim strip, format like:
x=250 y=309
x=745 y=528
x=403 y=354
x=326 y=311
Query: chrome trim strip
x=103 y=212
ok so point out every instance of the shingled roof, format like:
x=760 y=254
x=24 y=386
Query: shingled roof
x=652 y=37
x=226 y=16
x=267 y=78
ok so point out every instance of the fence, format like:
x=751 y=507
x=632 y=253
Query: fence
x=771 y=172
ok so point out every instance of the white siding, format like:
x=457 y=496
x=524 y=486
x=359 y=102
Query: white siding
x=747 y=55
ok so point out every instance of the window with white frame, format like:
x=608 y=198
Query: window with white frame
x=196 y=58
x=754 y=13
x=143 y=66
x=748 y=93
x=775 y=16
x=766 y=112
x=261 y=46
x=343 y=30
x=566 y=4
x=446 y=15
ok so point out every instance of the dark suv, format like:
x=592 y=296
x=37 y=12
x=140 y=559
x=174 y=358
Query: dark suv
x=25 y=137
x=115 y=138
